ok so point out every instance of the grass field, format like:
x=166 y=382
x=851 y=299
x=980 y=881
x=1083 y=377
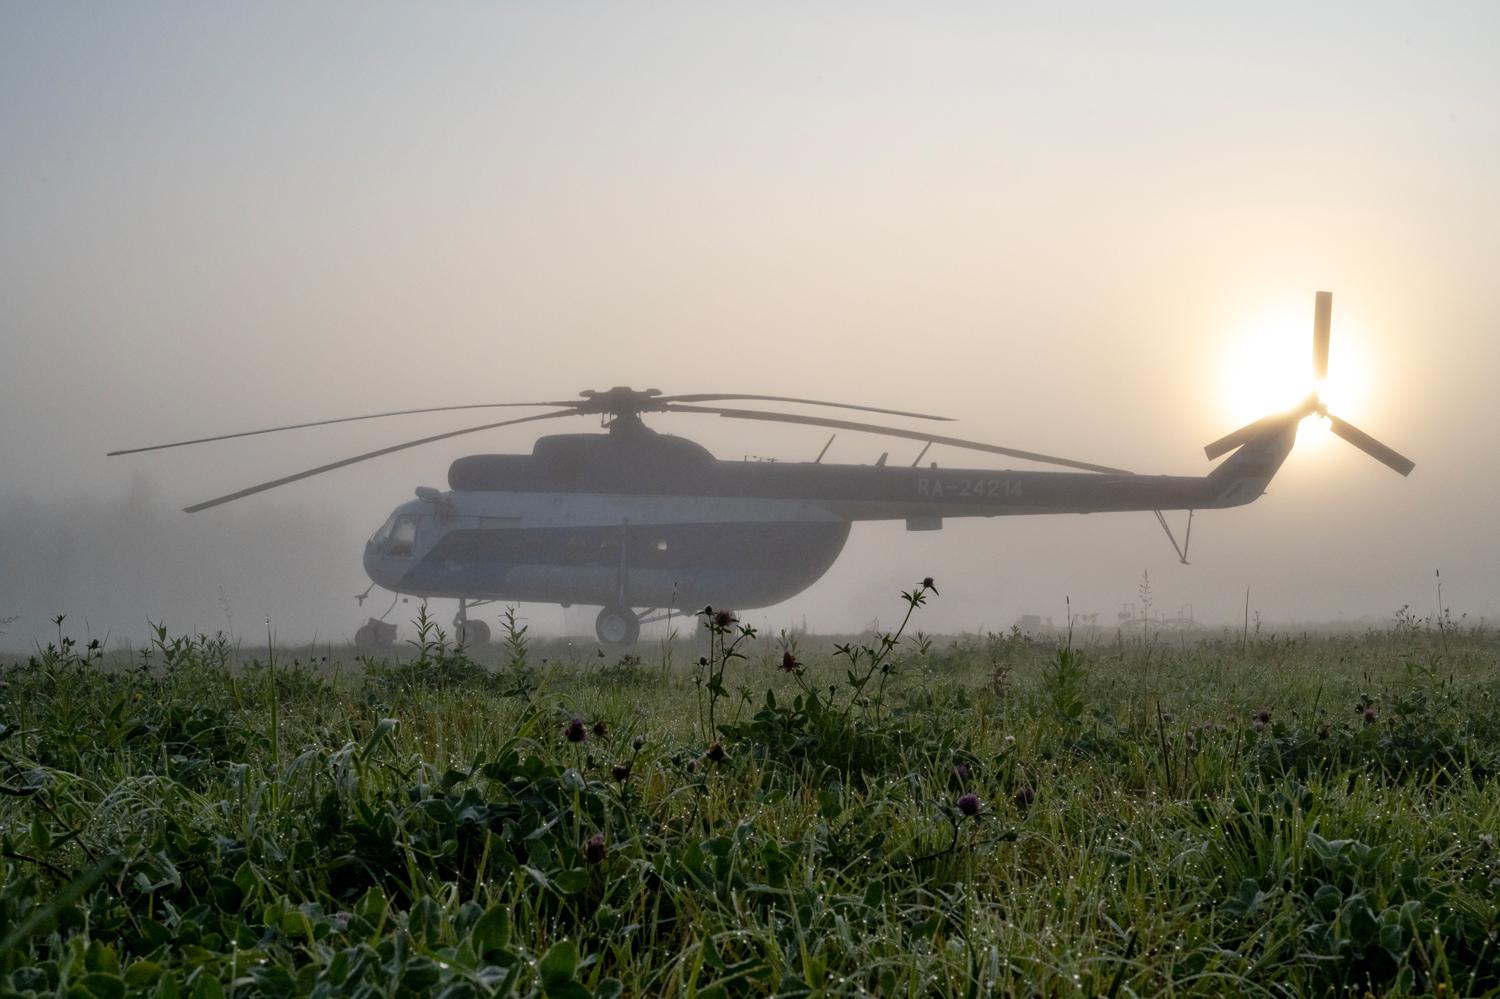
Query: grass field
x=893 y=815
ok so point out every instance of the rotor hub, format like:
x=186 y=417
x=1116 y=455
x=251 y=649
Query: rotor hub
x=621 y=402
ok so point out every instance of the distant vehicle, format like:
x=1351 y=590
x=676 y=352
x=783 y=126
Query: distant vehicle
x=631 y=518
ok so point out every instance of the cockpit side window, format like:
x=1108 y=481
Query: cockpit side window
x=403 y=541
x=384 y=531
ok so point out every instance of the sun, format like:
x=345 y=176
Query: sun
x=1267 y=368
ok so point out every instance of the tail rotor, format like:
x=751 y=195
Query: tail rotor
x=1314 y=405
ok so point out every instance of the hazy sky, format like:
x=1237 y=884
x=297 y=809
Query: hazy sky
x=1089 y=229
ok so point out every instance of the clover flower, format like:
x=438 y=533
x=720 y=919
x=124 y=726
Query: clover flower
x=595 y=850
x=576 y=730
x=969 y=805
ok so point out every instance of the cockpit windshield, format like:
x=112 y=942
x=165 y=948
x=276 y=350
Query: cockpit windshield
x=403 y=540
x=397 y=537
x=384 y=531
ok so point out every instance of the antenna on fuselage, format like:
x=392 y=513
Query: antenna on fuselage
x=819 y=459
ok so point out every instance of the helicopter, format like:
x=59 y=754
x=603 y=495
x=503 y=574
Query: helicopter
x=644 y=524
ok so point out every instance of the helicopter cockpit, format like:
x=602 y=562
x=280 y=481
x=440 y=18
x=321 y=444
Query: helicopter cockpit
x=396 y=538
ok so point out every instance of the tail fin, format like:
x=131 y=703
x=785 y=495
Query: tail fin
x=1250 y=469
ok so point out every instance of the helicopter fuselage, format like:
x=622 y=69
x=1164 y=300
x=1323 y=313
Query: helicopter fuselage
x=640 y=519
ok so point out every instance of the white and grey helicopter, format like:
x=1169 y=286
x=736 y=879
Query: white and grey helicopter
x=641 y=523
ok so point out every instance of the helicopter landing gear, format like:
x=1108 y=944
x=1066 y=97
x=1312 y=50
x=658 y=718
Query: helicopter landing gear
x=375 y=636
x=466 y=632
x=617 y=626
x=471 y=633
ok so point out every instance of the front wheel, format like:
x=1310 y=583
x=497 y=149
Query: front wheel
x=617 y=626
x=472 y=633
x=374 y=636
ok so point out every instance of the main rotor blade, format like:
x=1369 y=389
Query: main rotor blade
x=324 y=423
x=1250 y=431
x=284 y=480
x=1387 y=456
x=915 y=435
x=806 y=402
x=1322 y=319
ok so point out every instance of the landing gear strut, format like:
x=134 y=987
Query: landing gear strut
x=617 y=625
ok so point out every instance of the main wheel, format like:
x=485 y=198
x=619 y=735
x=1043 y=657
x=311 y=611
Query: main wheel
x=617 y=626
x=374 y=635
x=472 y=633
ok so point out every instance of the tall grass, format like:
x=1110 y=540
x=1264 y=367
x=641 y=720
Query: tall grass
x=886 y=814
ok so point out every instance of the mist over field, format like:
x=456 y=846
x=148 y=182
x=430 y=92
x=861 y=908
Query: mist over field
x=1091 y=232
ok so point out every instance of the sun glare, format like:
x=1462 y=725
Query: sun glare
x=1268 y=367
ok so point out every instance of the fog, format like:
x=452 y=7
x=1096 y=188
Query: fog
x=1086 y=230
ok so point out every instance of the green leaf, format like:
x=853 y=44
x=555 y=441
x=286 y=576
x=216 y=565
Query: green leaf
x=558 y=964
x=571 y=882
x=492 y=931
x=167 y=987
x=383 y=731
x=567 y=990
x=245 y=877
x=103 y=986
x=1327 y=900
x=205 y=985
x=371 y=908
x=142 y=973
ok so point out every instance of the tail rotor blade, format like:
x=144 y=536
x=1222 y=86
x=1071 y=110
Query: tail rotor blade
x=1389 y=457
x=1322 y=320
x=1250 y=431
